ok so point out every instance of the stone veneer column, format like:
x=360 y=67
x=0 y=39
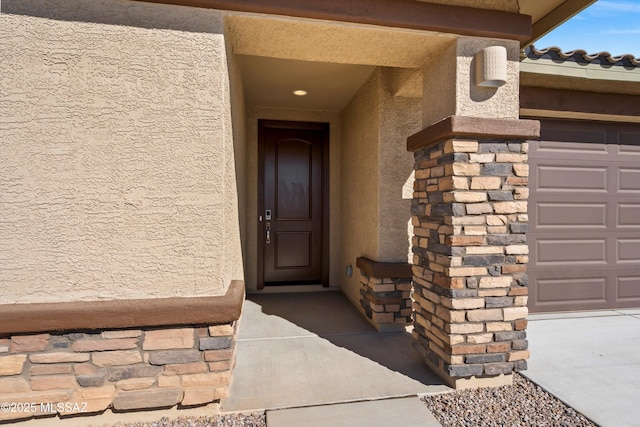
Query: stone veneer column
x=469 y=214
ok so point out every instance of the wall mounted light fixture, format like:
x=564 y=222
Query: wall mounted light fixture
x=491 y=66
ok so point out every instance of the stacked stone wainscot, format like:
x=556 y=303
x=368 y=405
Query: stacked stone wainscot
x=470 y=253
x=88 y=371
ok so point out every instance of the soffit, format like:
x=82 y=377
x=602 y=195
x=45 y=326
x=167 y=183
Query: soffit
x=538 y=9
x=549 y=14
x=546 y=14
x=504 y=5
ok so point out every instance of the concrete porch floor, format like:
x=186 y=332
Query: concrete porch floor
x=298 y=350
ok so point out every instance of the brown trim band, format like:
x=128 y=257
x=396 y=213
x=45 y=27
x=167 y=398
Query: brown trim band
x=389 y=13
x=547 y=99
x=475 y=128
x=388 y=270
x=115 y=314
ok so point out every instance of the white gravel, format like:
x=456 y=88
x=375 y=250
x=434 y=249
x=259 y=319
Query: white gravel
x=227 y=420
x=522 y=404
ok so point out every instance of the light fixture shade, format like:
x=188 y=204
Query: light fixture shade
x=491 y=66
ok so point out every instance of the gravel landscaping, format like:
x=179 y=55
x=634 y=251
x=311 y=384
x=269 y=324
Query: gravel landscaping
x=523 y=404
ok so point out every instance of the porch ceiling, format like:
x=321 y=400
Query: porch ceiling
x=270 y=82
x=329 y=60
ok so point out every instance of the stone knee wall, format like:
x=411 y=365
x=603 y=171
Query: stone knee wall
x=385 y=290
x=127 y=369
x=386 y=300
x=470 y=254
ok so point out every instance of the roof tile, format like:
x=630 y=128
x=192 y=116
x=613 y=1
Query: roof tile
x=580 y=56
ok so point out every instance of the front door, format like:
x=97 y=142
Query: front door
x=293 y=212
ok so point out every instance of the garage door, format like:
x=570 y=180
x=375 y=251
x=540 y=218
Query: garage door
x=584 y=217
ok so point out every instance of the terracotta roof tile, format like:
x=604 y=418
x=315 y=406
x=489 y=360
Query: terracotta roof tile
x=582 y=57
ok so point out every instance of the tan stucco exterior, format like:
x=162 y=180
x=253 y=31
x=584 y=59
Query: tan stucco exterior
x=335 y=42
x=130 y=177
x=449 y=83
x=238 y=158
x=375 y=167
x=359 y=176
x=190 y=226
x=118 y=177
x=400 y=117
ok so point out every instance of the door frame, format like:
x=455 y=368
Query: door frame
x=263 y=125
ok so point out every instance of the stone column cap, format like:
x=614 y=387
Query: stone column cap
x=389 y=270
x=475 y=128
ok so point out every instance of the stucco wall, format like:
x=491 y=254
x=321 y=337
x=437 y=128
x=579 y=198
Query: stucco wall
x=449 y=83
x=254 y=113
x=119 y=12
x=360 y=181
x=439 y=86
x=375 y=168
x=399 y=118
x=118 y=175
x=476 y=101
x=237 y=161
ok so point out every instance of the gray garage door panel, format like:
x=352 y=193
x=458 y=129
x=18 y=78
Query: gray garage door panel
x=555 y=215
x=584 y=215
x=628 y=289
x=629 y=215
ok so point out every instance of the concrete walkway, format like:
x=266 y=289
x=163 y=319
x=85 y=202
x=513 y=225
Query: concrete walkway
x=311 y=358
x=405 y=412
x=591 y=361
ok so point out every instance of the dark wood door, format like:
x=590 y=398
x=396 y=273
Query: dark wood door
x=293 y=207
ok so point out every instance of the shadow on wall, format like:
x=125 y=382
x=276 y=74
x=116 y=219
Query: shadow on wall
x=331 y=316
x=133 y=14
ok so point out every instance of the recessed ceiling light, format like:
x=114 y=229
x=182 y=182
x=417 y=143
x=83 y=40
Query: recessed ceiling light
x=300 y=92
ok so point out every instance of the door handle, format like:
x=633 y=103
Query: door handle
x=268 y=228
